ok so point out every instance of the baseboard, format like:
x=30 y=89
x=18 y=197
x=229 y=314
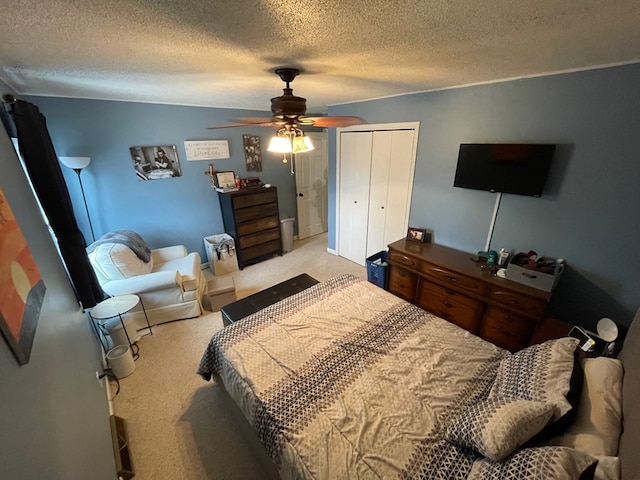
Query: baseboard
x=332 y=251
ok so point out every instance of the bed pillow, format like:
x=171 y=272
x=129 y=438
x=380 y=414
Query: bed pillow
x=539 y=463
x=542 y=373
x=598 y=423
x=497 y=426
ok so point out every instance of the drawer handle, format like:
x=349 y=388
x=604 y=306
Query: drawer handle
x=406 y=261
x=450 y=278
x=447 y=304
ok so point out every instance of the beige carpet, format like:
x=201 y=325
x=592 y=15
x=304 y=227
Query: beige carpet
x=181 y=427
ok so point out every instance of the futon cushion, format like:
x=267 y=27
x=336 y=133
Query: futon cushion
x=497 y=426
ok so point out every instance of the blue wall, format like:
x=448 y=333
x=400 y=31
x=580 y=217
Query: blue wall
x=54 y=414
x=589 y=212
x=181 y=210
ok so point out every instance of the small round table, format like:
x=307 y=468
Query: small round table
x=116 y=307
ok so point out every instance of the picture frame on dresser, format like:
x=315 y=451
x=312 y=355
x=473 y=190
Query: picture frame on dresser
x=417 y=234
x=225 y=180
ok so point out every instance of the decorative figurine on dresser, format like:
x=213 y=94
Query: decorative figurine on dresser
x=251 y=217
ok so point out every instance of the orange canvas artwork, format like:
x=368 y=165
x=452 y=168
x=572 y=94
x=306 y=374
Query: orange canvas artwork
x=21 y=286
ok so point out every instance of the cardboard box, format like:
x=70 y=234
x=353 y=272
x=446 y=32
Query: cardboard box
x=533 y=277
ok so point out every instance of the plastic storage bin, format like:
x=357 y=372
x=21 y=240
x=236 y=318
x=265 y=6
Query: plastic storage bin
x=286 y=231
x=377 y=269
x=221 y=254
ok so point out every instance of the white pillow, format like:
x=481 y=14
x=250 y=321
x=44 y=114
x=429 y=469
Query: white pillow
x=116 y=261
x=598 y=423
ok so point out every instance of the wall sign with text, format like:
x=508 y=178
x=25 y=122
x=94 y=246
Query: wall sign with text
x=206 y=149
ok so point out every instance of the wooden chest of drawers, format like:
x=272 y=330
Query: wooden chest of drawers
x=251 y=217
x=449 y=284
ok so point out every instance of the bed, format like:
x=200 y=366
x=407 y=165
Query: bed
x=345 y=380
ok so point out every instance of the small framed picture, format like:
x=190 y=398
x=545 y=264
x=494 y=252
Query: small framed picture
x=417 y=234
x=225 y=180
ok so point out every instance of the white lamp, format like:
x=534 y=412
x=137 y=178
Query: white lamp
x=77 y=164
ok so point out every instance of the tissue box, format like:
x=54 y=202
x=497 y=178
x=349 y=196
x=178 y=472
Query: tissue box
x=544 y=275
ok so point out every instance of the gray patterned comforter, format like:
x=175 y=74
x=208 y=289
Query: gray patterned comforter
x=345 y=380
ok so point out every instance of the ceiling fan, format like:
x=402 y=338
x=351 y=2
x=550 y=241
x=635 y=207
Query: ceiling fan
x=289 y=111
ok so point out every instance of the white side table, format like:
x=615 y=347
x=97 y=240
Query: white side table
x=116 y=307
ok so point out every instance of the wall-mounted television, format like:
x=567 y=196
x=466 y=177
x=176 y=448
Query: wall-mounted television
x=516 y=168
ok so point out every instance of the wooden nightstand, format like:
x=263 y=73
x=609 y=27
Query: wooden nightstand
x=550 y=328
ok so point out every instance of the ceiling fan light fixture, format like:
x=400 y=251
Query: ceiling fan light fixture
x=279 y=144
x=301 y=143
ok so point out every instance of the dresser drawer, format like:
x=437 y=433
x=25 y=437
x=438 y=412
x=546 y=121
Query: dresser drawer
x=402 y=282
x=527 y=305
x=259 y=250
x=506 y=329
x=259 y=237
x=454 y=279
x=259 y=211
x=258 y=225
x=258 y=198
x=452 y=306
x=402 y=259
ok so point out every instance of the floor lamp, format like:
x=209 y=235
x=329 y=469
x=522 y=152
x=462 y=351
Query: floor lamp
x=77 y=164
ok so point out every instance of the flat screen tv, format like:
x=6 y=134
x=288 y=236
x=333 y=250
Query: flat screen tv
x=519 y=168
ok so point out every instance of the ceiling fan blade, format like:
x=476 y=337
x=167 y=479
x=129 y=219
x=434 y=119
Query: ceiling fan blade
x=332 y=121
x=243 y=122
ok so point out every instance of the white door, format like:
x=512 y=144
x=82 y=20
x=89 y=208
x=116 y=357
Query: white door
x=390 y=187
x=355 y=167
x=382 y=158
x=311 y=187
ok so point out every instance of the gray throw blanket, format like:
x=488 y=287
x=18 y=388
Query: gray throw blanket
x=126 y=237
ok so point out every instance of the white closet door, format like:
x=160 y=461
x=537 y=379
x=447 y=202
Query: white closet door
x=390 y=194
x=378 y=192
x=355 y=165
x=400 y=183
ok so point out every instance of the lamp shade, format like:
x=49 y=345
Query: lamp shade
x=301 y=144
x=75 y=162
x=279 y=145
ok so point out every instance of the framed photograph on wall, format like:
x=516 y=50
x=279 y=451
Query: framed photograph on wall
x=155 y=162
x=252 y=152
x=417 y=234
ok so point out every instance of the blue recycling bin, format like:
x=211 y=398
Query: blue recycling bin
x=377 y=267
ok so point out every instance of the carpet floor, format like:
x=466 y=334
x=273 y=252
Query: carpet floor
x=181 y=427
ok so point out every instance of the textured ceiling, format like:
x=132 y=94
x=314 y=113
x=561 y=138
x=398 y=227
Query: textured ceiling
x=222 y=53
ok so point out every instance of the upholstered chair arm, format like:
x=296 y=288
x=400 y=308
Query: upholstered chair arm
x=162 y=255
x=144 y=283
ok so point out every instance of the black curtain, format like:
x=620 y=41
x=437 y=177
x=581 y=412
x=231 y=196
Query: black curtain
x=44 y=170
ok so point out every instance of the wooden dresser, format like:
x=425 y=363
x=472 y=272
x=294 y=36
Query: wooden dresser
x=448 y=283
x=251 y=217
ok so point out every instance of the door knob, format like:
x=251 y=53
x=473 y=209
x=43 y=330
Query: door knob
x=301 y=194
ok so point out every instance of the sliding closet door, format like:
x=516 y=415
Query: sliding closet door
x=355 y=165
x=390 y=188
